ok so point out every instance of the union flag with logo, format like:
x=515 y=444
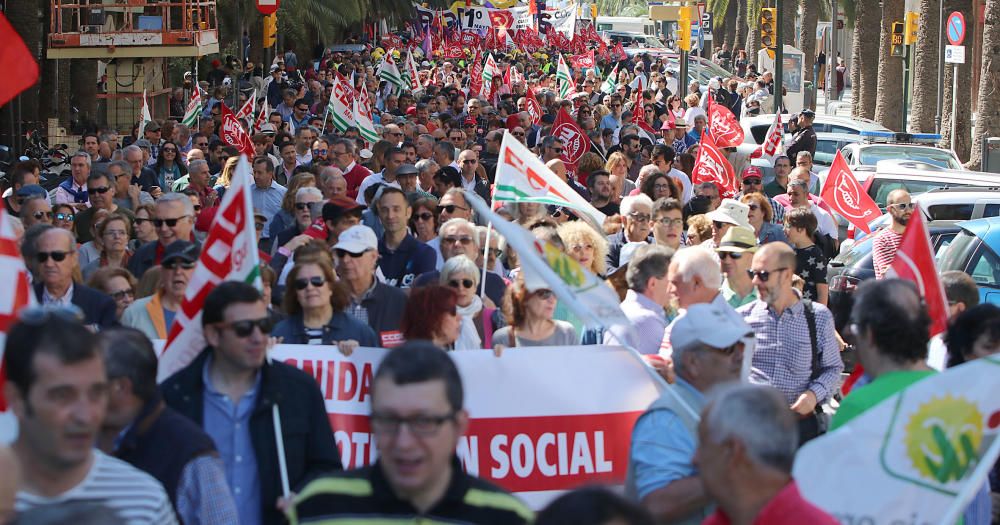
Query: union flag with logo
x=724 y=126
x=713 y=167
x=575 y=140
x=844 y=194
x=232 y=132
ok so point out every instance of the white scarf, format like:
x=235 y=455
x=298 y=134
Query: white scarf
x=468 y=337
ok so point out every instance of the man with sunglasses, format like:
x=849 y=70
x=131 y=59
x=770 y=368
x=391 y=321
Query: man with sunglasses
x=417 y=419
x=456 y=237
x=401 y=256
x=637 y=223
x=471 y=181
x=735 y=252
x=229 y=390
x=886 y=242
x=792 y=335
x=552 y=148
x=101 y=190
x=613 y=120
x=35 y=209
x=372 y=301
x=154 y=315
x=708 y=345
x=54 y=264
x=174 y=221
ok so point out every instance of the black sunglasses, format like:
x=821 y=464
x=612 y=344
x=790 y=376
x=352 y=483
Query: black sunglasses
x=425 y=216
x=101 y=190
x=450 y=208
x=303 y=283
x=39 y=214
x=345 y=253
x=245 y=328
x=57 y=256
x=464 y=283
x=173 y=264
x=121 y=294
x=732 y=255
x=169 y=222
x=302 y=205
x=763 y=275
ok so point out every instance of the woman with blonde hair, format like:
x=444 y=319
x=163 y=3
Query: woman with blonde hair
x=226 y=176
x=585 y=246
x=618 y=165
x=699 y=229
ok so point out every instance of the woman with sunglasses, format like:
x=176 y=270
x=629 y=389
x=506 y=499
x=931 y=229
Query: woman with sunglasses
x=423 y=221
x=760 y=216
x=431 y=314
x=114 y=233
x=63 y=216
x=529 y=315
x=479 y=316
x=144 y=229
x=316 y=305
x=285 y=218
x=116 y=282
x=169 y=167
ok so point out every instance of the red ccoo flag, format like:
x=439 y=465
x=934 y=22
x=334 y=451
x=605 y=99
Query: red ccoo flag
x=846 y=196
x=232 y=132
x=16 y=61
x=915 y=262
x=16 y=294
x=713 y=167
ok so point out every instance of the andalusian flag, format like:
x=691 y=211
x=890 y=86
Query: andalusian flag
x=388 y=71
x=490 y=70
x=522 y=177
x=611 y=83
x=566 y=86
x=341 y=104
x=228 y=254
x=363 y=115
x=193 y=110
x=145 y=117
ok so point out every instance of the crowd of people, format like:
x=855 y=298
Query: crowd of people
x=376 y=245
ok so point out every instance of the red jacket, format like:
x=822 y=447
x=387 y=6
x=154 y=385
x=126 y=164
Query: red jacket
x=354 y=178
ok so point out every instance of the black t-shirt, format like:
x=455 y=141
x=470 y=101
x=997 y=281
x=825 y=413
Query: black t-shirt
x=810 y=265
x=611 y=208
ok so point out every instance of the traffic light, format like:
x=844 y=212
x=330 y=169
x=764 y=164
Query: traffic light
x=912 y=25
x=769 y=29
x=270 y=30
x=684 y=29
x=896 y=48
x=593 y=12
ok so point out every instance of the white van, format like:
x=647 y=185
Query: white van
x=626 y=24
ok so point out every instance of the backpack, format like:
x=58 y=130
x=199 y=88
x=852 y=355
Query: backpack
x=826 y=244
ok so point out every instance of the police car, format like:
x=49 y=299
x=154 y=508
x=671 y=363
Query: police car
x=876 y=145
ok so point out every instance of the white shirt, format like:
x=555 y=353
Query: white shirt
x=65 y=300
x=374 y=178
x=824 y=221
x=635 y=81
x=687 y=190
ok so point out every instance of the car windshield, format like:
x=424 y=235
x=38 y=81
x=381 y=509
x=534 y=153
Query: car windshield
x=857 y=252
x=826 y=151
x=652 y=41
x=953 y=257
x=938 y=157
x=882 y=187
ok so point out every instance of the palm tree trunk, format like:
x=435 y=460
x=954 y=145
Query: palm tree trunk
x=988 y=108
x=963 y=119
x=788 y=14
x=740 y=35
x=728 y=33
x=753 y=30
x=889 y=103
x=866 y=58
x=807 y=39
x=925 y=69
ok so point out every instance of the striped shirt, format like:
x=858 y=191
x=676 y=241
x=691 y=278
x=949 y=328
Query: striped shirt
x=884 y=248
x=314 y=336
x=136 y=497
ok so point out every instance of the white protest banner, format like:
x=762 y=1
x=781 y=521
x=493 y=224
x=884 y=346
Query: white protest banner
x=562 y=20
x=917 y=457
x=542 y=420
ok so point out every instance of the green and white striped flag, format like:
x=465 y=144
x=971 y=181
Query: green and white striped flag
x=193 y=110
x=566 y=87
x=389 y=72
x=341 y=105
x=611 y=83
x=490 y=70
x=363 y=115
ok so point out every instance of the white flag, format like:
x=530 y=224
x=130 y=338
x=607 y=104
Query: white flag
x=363 y=115
x=228 y=254
x=145 y=117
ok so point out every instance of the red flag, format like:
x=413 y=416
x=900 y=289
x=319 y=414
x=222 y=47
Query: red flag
x=638 y=112
x=575 y=140
x=232 y=132
x=846 y=196
x=915 y=262
x=17 y=293
x=713 y=167
x=247 y=108
x=16 y=61
x=724 y=127
x=618 y=53
x=476 y=74
x=534 y=107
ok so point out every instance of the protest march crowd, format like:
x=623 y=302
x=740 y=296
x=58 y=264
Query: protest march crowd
x=376 y=185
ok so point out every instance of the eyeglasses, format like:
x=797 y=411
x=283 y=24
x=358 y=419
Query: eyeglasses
x=139 y=221
x=302 y=205
x=69 y=217
x=101 y=190
x=169 y=222
x=496 y=252
x=319 y=152
x=732 y=255
x=245 y=327
x=903 y=205
x=420 y=426
x=763 y=275
x=174 y=264
x=425 y=216
x=57 y=256
x=751 y=182
x=303 y=109
x=640 y=218
x=169 y=150
x=39 y=214
x=464 y=241
x=516 y=134
x=450 y=208
x=344 y=253
x=464 y=283
x=121 y=294
x=116 y=233
x=661 y=187
x=302 y=283
x=544 y=294
x=469 y=161
x=667 y=221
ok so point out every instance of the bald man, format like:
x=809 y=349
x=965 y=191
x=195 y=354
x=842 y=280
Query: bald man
x=559 y=168
x=886 y=242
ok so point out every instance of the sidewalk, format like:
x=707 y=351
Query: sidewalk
x=840 y=108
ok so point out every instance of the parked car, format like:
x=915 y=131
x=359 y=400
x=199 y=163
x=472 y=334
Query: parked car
x=877 y=146
x=917 y=178
x=975 y=250
x=846 y=271
x=828 y=144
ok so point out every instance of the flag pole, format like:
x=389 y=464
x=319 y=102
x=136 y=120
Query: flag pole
x=280 y=444
x=486 y=260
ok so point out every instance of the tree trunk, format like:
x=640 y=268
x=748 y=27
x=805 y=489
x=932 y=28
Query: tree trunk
x=925 y=69
x=740 y=35
x=963 y=119
x=866 y=58
x=988 y=108
x=732 y=23
x=889 y=104
x=753 y=30
x=789 y=12
x=807 y=39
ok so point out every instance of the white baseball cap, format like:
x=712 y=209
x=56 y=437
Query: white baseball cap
x=357 y=239
x=707 y=324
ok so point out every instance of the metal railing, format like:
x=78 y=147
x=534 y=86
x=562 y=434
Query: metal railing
x=175 y=17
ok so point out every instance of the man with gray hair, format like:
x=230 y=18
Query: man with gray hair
x=426 y=169
x=708 y=351
x=101 y=189
x=332 y=182
x=35 y=209
x=637 y=226
x=459 y=237
x=56 y=262
x=342 y=155
x=144 y=175
x=127 y=195
x=695 y=278
x=173 y=220
x=746 y=448
x=647 y=296
x=73 y=191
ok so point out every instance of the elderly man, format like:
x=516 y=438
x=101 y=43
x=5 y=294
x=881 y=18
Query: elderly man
x=426 y=169
x=154 y=315
x=332 y=182
x=73 y=191
x=198 y=180
x=425 y=146
x=468 y=160
x=101 y=189
x=56 y=262
x=35 y=209
x=342 y=152
x=458 y=237
x=128 y=195
x=796 y=342
x=558 y=166
x=708 y=352
x=401 y=256
x=799 y=197
x=372 y=301
x=444 y=155
x=647 y=297
x=174 y=221
x=637 y=214
x=746 y=448
x=735 y=252
x=143 y=175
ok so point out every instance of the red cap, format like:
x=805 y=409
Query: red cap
x=470 y=121
x=753 y=172
x=412 y=110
